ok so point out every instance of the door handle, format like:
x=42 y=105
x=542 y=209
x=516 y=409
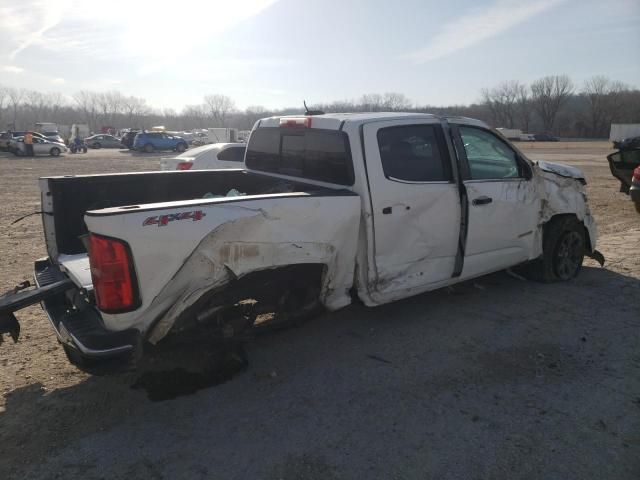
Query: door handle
x=482 y=200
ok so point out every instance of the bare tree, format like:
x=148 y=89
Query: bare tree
x=54 y=102
x=4 y=95
x=549 y=94
x=395 y=101
x=219 y=108
x=254 y=113
x=502 y=102
x=371 y=102
x=524 y=106
x=15 y=99
x=88 y=103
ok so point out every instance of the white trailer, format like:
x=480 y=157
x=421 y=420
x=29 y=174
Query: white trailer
x=620 y=131
x=43 y=127
x=510 y=133
x=222 y=135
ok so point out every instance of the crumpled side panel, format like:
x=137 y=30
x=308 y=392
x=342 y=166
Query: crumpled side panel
x=254 y=243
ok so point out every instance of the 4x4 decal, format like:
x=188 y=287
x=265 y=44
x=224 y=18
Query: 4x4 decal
x=163 y=220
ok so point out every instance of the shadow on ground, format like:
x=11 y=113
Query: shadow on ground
x=495 y=378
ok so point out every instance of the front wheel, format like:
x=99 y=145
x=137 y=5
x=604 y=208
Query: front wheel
x=563 y=249
x=181 y=147
x=55 y=151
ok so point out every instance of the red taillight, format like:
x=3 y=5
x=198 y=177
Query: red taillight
x=636 y=174
x=185 y=165
x=112 y=273
x=301 y=122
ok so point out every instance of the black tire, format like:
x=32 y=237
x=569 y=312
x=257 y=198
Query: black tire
x=181 y=147
x=55 y=151
x=563 y=248
x=97 y=145
x=148 y=148
x=84 y=149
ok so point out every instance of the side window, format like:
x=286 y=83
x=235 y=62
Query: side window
x=233 y=154
x=415 y=153
x=489 y=157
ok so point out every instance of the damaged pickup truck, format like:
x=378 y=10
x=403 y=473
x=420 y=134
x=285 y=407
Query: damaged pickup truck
x=378 y=206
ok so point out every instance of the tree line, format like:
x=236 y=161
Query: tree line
x=552 y=104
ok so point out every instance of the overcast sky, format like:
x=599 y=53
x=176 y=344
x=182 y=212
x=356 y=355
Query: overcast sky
x=276 y=53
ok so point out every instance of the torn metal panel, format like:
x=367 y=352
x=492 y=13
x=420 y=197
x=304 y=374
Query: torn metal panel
x=182 y=261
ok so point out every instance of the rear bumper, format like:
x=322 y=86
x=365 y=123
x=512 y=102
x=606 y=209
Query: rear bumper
x=81 y=330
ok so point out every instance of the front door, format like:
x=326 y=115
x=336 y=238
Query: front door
x=415 y=204
x=503 y=204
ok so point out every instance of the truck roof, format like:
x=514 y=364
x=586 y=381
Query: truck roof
x=334 y=121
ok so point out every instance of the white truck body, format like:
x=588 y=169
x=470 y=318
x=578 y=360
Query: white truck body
x=354 y=211
x=511 y=133
x=620 y=131
x=222 y=135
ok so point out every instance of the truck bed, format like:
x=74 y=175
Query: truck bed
x=66 y=199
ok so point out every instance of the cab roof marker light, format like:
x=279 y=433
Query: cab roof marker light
x=296 y=122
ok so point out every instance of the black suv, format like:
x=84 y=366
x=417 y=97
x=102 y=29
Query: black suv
x=127 y=138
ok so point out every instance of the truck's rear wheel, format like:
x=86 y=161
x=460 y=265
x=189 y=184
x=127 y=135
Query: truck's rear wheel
x=563 y=250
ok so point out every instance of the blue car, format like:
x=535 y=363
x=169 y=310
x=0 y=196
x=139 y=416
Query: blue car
x=150 y=141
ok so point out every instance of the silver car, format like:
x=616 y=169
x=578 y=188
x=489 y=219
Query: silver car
x=103 y=141
x=40 y=147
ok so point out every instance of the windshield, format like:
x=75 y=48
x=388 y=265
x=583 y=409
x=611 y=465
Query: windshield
x=313 y=154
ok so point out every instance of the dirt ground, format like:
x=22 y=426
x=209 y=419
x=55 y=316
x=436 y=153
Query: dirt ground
x=498 y=378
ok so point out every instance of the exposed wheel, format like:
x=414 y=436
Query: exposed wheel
x=148 y=148
x=181 y=147
x=97 y=145
x=563 y=248
x=55 y=151
x=84 y=149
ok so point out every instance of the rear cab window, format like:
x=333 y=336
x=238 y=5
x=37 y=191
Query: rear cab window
x=309 y=153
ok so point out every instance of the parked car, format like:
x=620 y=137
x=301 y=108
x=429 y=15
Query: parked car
x=207 y=157
x=128 y=138
x=53 y=136
x=6 y=139
x=309 y=224
x=41 y=146
x=150 y=141
x=103 y=141
x=544 y=137
x=632 y=143
x=625 y=166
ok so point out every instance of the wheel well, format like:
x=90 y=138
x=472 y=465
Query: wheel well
x=561 y=216
x=264 y=287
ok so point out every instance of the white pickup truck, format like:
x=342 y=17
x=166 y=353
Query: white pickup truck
x=378 y=206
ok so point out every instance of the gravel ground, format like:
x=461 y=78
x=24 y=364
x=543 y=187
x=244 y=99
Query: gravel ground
x=494 y=379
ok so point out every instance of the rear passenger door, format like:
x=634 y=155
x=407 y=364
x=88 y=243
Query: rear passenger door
x=503 y=203
x=415 y=205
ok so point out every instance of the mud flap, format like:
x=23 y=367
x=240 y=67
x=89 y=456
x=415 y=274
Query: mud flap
x=9 y=324
x=597 y=256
